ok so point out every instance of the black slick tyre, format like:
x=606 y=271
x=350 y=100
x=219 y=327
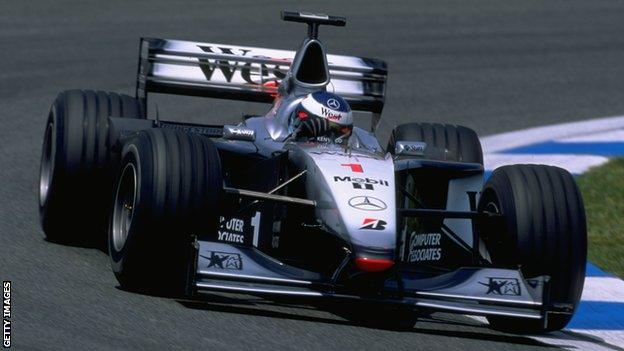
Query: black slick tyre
x=459 y=143
x=543 y=231
x=77 y=167
x=167 y=191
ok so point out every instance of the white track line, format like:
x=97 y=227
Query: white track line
x=509 y=140
x=575 y=164
x=573 y=341
x=608 y=136
x=604 y=289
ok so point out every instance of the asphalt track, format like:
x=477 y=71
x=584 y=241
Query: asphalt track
x=494 y=66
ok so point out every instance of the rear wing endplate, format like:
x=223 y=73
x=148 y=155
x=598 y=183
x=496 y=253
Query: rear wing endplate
x=248 y=73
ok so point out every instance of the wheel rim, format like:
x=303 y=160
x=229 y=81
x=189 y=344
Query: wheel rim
x=47 y=164
x=493 y=233
x=123 y=209
x=491 y=207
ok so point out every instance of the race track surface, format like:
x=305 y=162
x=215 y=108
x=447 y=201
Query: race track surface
x=494 y=66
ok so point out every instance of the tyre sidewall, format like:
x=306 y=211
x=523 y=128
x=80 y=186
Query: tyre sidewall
x=57 y=121
x=120 y=259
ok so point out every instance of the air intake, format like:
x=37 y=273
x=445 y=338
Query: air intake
x=312 y=68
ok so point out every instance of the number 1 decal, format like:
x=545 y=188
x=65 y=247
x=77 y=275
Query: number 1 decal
x=255 y=223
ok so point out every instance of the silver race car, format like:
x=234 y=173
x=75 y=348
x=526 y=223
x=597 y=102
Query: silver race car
x=299 y=201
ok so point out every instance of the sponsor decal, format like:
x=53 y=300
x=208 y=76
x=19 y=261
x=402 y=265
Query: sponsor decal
x=361 y=183
x=240 y=230
x=224 y=260
x=330 y=114
x=323 y=139
x=333 y=103
x=355 y=167
x=236 y=70
x=425 y=247
x=6 y=314
x=373 y=224
x=502 y=286
x=367 y=203
x=410 y=148
x=231 y=230
x=238 y=133
x=210 y=131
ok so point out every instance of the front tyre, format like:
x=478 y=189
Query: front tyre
x=167 y=191
x=543 y=231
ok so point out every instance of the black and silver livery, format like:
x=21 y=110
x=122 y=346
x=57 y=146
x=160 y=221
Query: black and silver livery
x=261 y=207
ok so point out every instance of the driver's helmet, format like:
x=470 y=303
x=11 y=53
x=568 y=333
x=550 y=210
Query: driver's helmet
x=322 y=115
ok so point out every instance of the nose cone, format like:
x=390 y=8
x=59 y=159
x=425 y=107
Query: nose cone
x=356 y=195
x=373 y=264
x=356 y=199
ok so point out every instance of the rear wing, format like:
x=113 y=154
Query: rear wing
x=248 y=73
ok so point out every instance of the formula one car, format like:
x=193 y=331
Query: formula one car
x=299 y=202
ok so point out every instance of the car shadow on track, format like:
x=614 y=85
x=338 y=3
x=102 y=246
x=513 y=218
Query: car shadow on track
x=252 y=310
x=293 y=309
x=98 y=242
x=491 y=336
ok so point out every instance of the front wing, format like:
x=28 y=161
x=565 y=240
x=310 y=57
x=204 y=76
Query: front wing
x=476 y=291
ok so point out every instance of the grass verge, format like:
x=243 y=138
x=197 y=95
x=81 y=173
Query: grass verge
x=603 y=193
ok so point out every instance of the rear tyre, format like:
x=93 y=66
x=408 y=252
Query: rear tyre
x=543 y=230
x=168 y=190
x=77 y=167
x=461 y=143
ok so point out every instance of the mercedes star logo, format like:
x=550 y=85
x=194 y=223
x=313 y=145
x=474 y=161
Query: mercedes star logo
x=333 y=103
x=367 y=203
